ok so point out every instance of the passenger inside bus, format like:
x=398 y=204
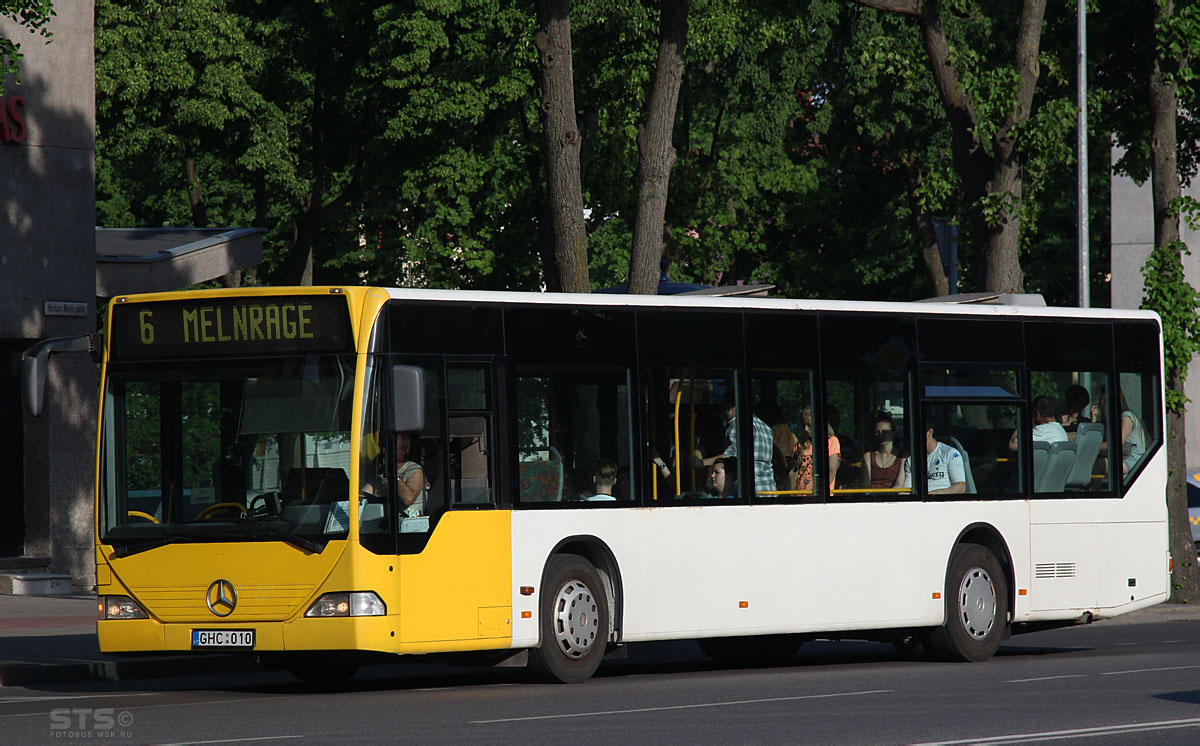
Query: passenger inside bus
x=764 y=446
x=604 y=479
x=943 y=466
x=884 y=464
x=1046 y=427
x=722 y=478
x=1075 y=404
x=410 y=478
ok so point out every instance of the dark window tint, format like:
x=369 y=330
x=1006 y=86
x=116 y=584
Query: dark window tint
x=547 y=335
x=415 y=328
x=868 y=341
x=981 y=339
x=690 y=338
x=1068 y=345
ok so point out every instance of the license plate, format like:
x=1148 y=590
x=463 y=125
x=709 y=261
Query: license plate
x=223 y=638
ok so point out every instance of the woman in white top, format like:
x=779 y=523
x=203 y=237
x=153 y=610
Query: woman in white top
x=410 y=479
x=1133 y=437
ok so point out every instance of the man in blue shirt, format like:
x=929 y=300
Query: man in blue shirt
x=764 y=447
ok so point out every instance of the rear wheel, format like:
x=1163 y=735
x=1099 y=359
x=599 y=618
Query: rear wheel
x=760 y=650
x=574 y=622
x=976 y=607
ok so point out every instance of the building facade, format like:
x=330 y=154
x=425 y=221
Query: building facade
x=47 y=289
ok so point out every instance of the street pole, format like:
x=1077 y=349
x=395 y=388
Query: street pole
x=1081 y=186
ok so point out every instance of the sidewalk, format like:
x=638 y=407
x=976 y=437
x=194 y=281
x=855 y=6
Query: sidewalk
x=52 y=640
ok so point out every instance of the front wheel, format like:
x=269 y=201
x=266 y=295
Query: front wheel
x=574 y=622
x=976 y=607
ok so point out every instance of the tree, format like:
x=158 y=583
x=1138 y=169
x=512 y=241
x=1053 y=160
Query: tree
x=33 y=16
x=562 y=145
x=1176 y=32
x=989 y=108
x=655 y=151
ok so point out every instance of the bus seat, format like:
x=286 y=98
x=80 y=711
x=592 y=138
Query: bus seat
x=541 y=480
x=1060 y=461
x=1041 y=462
x=1087 y=442
x=966 y=464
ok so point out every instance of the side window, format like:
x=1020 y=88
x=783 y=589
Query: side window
x=1067 y=413
x=574 y=435
x=783 y=402
x=972 y=432
x=468 y=399
x=695 y=435
x=1140 y=423
x=867 y=427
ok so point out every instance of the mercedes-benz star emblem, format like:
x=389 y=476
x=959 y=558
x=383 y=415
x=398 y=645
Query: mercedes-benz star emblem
x=221 y=597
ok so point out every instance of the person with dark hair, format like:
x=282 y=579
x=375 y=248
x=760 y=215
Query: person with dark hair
x=1075 y=403
x=722 y=478
x=764 y=446
x=604 y=478
x=883 y=464
x=943 y=466
x=1046 y=426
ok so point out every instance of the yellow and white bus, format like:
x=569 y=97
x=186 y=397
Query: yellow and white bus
x=320 y=476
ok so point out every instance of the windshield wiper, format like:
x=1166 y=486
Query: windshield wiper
x=292 y=538
x=131 y=547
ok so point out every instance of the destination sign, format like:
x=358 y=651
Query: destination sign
x=231 y=326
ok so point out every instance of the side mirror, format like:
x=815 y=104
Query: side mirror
x=33 y=367
x=408 y=398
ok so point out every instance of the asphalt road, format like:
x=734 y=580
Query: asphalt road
x=1108 y=683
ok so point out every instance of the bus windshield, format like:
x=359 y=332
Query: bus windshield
x=226 y=450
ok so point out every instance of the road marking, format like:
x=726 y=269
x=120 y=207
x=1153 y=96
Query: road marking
x=1147 y=670
x=9 y=700
x=1051 y=735
x=1048 y=678
x=261 y=738
x=683 y=707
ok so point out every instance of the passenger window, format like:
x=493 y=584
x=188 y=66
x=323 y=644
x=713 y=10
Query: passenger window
x=972 y=442
x=1140 y=421
x=782 y=401
x=574 y=435
x=467 y=397
x=1067 y=413
x=867 y=430
x=696 y=436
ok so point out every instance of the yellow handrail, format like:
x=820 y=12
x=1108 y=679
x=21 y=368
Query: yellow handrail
x=678 y=399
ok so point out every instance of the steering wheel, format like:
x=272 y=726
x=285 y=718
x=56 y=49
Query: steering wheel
x=212 y=509
x=269 y=505
x=140 y=514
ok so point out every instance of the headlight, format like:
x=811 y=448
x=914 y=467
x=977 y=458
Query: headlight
x=119 y=607
x=353 y=603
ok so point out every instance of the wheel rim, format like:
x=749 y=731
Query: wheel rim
x=977 y=603
x=576 y=619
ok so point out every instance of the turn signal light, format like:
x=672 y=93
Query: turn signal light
x=119 y=607
x=352 y=603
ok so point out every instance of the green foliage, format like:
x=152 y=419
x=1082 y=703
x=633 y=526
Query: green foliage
x=1168 y=293
x=33 y=16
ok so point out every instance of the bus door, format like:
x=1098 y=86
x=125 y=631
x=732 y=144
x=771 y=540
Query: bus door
x=457 y=568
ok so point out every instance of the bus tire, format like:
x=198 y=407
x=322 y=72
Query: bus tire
x=976 y=601
x=756 y=651
x=574 y=622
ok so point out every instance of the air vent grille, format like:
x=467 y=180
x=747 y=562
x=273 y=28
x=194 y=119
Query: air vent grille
x=1054 y=570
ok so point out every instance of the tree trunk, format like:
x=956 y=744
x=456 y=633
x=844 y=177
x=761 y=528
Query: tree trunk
x=656 y=155
x=987 y=181
x=926 y=234
x=1164 y=178
x=195 y=192
x=565 y=190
